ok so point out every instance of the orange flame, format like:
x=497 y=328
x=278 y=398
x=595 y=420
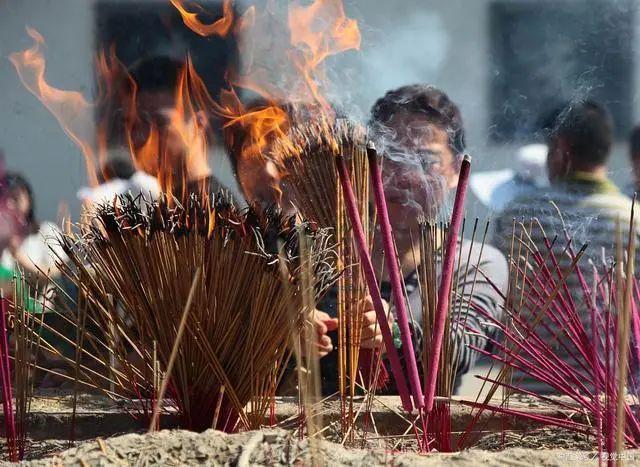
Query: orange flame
x=220 y=27
x=320 y=30
x=175 y=153
x=174 y=147
x=323 y=29
x=70 y=108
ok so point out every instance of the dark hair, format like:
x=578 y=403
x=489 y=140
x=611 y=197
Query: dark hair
x=423 y=99
x=157 y=73
x=587 y=128
x=634 y=142
x=116 y=167
x=14 y=182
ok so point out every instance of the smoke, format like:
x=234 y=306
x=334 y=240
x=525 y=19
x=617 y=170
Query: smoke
x=411 y=52
x=416 y=156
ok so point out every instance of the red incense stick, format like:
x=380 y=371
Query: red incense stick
x=7 y=396
x=372 y=283
x=391 y=261
x=444 y=291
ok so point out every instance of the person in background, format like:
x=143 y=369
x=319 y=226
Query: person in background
x=496 y=188
x=582 y=198
x=257 y=176
x=582 y=203
x=167 y=142
x=16 y=223
x=634 y=156
x=118 y=176
x=29 y=245
x=419 y=131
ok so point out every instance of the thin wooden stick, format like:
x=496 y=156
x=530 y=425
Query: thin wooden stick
x=174 y=351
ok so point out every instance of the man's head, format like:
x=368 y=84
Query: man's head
x=634 y=154
x=421 y=133
x=248 y=140
x=162 y=134
x=580 y=140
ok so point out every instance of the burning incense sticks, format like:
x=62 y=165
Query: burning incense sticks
x=444 y=291
x=237 y=333
x=310 y=181
x=391 y=260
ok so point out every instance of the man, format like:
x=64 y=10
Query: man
x=419 y=131
x=582 y=205
x=159 y=118
x=582 y=199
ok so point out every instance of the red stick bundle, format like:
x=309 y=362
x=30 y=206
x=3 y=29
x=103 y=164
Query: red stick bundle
x=444 y=291
x=372 y=283
x=391 y=261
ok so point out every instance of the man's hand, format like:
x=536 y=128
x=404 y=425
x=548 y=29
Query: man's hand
x=371 y=337
x=322 y=324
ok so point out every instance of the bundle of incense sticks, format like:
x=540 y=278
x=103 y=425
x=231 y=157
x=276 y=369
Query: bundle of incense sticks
x=142 y=256
x=438 y=435
x=311 y=183
x=567 y=340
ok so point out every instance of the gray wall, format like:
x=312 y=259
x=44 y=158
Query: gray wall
x=444 y=43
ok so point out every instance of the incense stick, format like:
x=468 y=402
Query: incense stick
x=624 y=320
x=445 y=282
x=391 y=260
x=372 y=283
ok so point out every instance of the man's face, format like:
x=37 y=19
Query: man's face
x=259 y=179
x=419 y=169
x=179 y=143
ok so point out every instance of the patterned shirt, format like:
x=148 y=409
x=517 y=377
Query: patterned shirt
x=472 y=291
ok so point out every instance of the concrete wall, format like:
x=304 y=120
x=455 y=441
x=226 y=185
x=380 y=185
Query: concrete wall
x=444 y=43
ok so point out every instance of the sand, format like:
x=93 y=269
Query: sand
x=279 y=448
